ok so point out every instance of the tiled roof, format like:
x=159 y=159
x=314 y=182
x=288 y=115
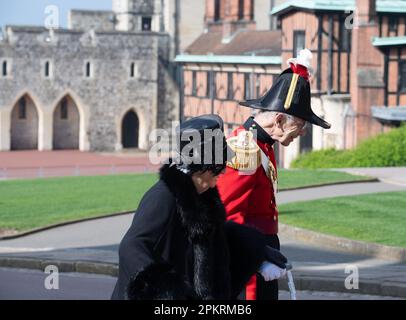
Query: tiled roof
x=389 y=41
x=389 y=6
x=243 y=42
x=389 y=114
x=220 y=59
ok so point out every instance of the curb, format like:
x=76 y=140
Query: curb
x=108 y=269
x=62 y=224
x=302 y=282
x=335 y=284
x=343 y=244
x=330 y=184
x=56 y=225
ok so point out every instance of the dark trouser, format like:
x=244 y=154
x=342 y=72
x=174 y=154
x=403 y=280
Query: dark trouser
x=266 y=290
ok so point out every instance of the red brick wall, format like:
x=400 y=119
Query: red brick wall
x=232 y=113
x=308 y=22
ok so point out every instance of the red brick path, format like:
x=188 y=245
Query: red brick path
x=33 y=164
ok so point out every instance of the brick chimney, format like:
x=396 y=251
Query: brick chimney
x=366 y=10
x=229 y=16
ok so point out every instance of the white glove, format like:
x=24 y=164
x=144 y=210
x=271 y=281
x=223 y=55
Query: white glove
x=271 y=271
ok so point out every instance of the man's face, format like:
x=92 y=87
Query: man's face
x=290 y=130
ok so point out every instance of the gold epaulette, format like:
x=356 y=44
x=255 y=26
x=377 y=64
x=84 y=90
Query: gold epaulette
x=246 y=153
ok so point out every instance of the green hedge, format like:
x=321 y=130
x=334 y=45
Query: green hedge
x=384 y=150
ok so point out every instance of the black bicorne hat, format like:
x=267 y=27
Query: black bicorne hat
x=289 y=94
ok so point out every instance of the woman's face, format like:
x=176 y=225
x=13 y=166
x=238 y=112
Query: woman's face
x=203 y=181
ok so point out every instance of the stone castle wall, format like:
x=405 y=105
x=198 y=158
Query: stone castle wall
x=102 y=97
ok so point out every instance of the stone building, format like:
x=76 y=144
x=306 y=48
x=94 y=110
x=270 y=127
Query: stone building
x=104 y=83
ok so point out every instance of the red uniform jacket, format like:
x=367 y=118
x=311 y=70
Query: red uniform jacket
x=250 y=199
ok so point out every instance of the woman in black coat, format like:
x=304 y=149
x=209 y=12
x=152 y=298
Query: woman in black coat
x=179 y=245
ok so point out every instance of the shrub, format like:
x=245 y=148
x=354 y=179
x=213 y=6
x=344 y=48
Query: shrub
x=384 y=150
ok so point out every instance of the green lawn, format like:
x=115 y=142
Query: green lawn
x=379 y=218
x=27 y=204
x=300 y=178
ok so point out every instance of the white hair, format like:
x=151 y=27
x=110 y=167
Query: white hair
x=273 y=114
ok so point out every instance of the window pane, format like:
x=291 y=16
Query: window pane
x=88 y=69
x=393 y=23
x=146 y=23
x=132 y=71
x=22 y=109
x=403 y=75
x=298 y=42
x=345 y=37
x=64 y=109
x=4 y=72
x=208 y=84
x=247 y=86
x=258 y=87
x=230 y=87
x=194 y=85
x=214 y=84
x=240 y=9
x=216 y=10
x=47 y=69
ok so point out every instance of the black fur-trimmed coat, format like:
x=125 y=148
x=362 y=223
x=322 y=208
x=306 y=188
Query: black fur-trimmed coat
x=180 y=246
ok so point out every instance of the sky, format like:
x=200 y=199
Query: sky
x=32 y=12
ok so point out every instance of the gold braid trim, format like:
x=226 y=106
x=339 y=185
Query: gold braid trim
x=291 y=91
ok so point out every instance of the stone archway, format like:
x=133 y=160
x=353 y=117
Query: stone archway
x=24 y=125
x=130 y=130
x=66 y=125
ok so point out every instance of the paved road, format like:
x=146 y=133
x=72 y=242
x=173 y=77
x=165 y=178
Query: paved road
x=109 y=231
x=20 y=284
x=394 y=175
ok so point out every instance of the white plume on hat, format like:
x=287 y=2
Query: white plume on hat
x=304 y=59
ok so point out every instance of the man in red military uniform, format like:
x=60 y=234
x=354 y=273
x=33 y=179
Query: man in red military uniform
x=249 y=184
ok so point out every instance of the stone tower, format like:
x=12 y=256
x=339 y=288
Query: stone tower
x=139 y=15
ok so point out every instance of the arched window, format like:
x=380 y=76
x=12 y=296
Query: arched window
x=4 y=69
x=88 y=70
x=22 y=108
x=47 y=69
x=132 y=70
